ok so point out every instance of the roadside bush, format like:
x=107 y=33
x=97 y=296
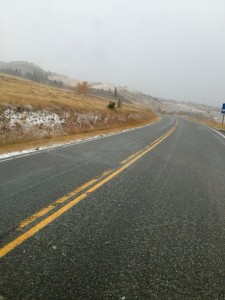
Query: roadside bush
x=111 y=105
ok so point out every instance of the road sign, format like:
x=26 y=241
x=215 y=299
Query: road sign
x=223 y=109
x=223 y=112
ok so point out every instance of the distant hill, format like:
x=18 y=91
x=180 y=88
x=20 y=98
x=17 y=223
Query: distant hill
x=31 y=111
x=29 y=71
x=21 y=66
x=107 y=90
x=161 y=106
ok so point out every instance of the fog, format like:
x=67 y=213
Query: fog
x=172 y=49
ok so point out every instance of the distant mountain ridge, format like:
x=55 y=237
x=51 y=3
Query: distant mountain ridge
x=29 y=71
x=22 y=66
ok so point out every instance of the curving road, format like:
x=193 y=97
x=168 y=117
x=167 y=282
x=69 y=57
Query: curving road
x=137 y=215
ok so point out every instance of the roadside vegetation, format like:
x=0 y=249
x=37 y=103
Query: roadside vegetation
x=215 y=125
x=33 y=114
x=209 y=121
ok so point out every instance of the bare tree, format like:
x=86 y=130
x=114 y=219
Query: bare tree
x=82 y=88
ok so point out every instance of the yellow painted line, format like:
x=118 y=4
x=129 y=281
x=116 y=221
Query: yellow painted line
x=105 y=173
x=9 y=247
x=125 y=160
x=133 y=155
x=160 y=137
x=52 y=206
x=45 y=210
x=29 y=233
x=35 y=216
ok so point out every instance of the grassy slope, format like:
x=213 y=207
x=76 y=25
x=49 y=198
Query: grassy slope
x=209 y=123
x=215 y=125
x=26 y=95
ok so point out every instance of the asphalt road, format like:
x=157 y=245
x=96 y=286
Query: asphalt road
x=145 y=218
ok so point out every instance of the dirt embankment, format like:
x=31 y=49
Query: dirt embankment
x=31 y=112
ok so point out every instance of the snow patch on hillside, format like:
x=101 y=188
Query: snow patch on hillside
x=15 y=154
x=26 y=123
x=30 y=118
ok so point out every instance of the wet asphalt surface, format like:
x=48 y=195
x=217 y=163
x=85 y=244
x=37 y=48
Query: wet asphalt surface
x=155 y=231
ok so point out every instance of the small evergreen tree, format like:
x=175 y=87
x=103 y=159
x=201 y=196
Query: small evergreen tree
x=115 y=92
x=119 y=103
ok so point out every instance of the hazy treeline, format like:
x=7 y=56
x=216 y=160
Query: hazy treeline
x=109 y=94
x=35 y=76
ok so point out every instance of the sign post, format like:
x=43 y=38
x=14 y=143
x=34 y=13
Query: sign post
x=223 y=112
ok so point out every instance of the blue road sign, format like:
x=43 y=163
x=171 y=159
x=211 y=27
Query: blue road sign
x=223 y=109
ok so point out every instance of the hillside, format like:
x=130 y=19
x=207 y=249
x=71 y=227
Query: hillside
x=161 y=106
x=31 y=111
x=106 y=90
x=30 y=71
x=22 y=66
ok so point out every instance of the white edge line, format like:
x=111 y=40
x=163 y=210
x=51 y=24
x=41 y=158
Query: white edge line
x=23 y=153
x=214 y=130
x=208 y=127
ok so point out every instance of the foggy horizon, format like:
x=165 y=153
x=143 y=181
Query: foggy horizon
x=168 y=49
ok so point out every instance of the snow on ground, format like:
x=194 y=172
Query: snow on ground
x=66 y=80
x=29 y=117
x=11 y=155
x=16 y=122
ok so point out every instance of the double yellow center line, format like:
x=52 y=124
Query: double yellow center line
x=97 y=183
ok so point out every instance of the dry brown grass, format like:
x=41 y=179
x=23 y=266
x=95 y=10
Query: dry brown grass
x=209 y=123
x=17 y=91
x=22 y=93
x=67 y=139
x=215 y=125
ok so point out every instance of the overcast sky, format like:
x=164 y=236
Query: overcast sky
x=172 y=49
